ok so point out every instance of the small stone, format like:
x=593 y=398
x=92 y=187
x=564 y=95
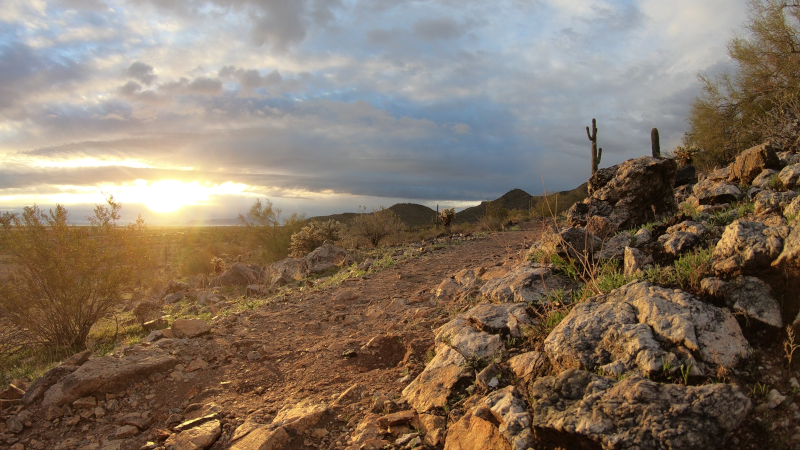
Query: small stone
x=774 y=398
x=177 y=375
x=11 y=393
x=319 y=433
x=253 y=356
x=85 y=402
x=405 y=439
x=17 y=446
x=14 y=425
x=99 y=412
x=126 y=431
x=72 y=421
x=793 y=382
x=54 y=412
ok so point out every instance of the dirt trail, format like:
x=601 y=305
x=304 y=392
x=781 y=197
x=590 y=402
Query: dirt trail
x=371 y=332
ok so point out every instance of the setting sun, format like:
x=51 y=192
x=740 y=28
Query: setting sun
x=166 y=196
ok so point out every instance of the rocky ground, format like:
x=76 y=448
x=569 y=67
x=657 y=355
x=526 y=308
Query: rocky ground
x=633 y=323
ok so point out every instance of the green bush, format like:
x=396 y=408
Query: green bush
x=376 y=226
x=67 y=278
x=313 y=235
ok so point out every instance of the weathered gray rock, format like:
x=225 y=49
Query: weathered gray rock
x=577 y=243
x=790 y=255
x=788 y=158
x=504 y=407
x=748 y=295
x=752 y=162
x=287 y=270
x=508 y=319
x=642 y=236
x=190 y=328
x=43 y=383
x=523 y=284
x=635 y=192
x=600 y=227
x=789 y=175
x=747 y=247
x=635 y=260
x=678 y=242
x=762 y=180
x=792 y=211
x=688 y=226
x=14 y=425
x=238 y=275
x=173 y=298
x=638 y=327
x=685 y=175
x=712 y=192
x=456 y=341
x=327 y=256
x=614 y=248
x=108 y=374
x=768 y=202
x=577 y=406
x=527 y=363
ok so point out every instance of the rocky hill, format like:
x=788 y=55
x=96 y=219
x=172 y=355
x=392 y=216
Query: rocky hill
x=412 y=215
x=521 y=200
x=659 y=315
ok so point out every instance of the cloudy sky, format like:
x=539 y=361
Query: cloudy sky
x=193 y=109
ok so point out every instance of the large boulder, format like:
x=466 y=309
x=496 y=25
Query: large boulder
x=524 y=284
x=108 y=374
x=768 y=202
x=751 y=162
x=635 y=192
x=640 y=327
x=747 y=247
x=238 y=275
x=327 y=256
x=678 y=242
x=573 y=242
x=790 y=255
x=685 y=175
x=287 y=270
x=762 y=180
x=790 y=175
x=715 y=192
x=577 y=406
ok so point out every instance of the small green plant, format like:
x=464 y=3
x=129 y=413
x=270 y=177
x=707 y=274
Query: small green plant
x=788 y=345
x=760 y=390
x=475 y=363
x=685 y=373
x=666 y=366
x=776 y=184
x=430 y=355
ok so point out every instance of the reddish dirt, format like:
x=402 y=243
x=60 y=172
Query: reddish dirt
x=311 y=345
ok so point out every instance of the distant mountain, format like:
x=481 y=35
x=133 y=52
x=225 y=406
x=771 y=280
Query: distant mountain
x=521 y=200
x=412 y=214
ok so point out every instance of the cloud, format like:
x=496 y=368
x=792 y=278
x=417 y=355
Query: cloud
x=142 y=72
x=439 y=28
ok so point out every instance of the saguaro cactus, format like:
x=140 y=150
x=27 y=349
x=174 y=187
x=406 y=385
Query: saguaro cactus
x=596 y=153
x=655 y=143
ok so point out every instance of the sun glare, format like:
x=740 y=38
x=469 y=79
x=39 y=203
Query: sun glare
x=168 y=196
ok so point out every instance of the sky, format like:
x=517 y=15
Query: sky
x=193 y=109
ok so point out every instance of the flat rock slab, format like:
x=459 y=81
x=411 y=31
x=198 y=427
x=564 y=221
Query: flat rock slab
x=509 y=318
x=200 y=437
x=190 y=328
x=523 y=284
x=108 y=374
x=500 y=421
x=638 y=327
x=747 y=247
x=578 y=406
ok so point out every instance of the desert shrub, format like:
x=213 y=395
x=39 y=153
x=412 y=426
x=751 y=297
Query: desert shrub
x=446 y=216
x=196 y=263
x=494 y=217
x=376 y=226
x=67 y=278
x=313 y=235
x=269 y=231
x=776 y=184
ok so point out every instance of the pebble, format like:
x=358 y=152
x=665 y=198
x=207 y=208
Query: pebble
x=254 y=356
x=14 y=425
x=126 y=431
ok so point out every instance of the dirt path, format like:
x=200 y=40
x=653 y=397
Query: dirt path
x=370 y=334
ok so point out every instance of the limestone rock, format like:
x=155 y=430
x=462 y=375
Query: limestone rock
x=190 y=328
x=505 y=408
x=288 y=270
x=747 y=247
x=790 y=255
x=527 y=363
x=300 y=417
x=639 y=326
x=508 y=319
x=238 y=275
x=635 y=192
x=455 y=341
x=635 y=260
x=678 y=242
x=523 y=284
x=201 y=437
x=688 y=226
x=768 y=202
x=573 y=242
x=762 y=180
x=600 y=227
x=749 y=295
x=711 y=192
x=790 y=175
x=326 y=256
x=108 y=374
x=752 y=162
x=577 y=406
x=614 y=248
x=792 y=211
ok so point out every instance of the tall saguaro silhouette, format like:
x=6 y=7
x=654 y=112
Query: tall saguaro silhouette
x=596 y=153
